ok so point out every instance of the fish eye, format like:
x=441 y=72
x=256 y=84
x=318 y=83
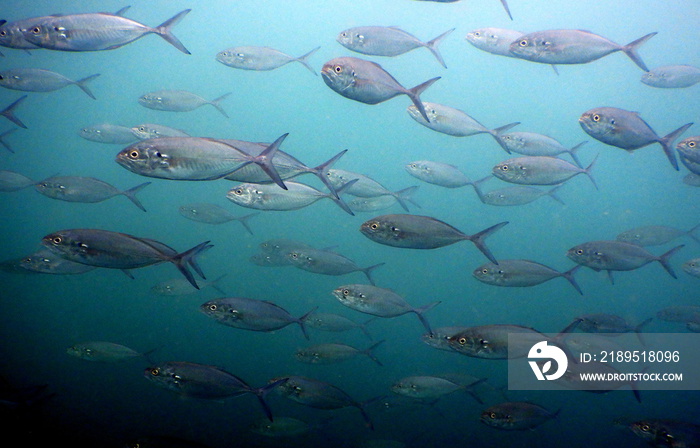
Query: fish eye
x=596 y=118
x=492 y=415
x=158 y=154
x=338 y=69
x=504 y=168
x=155 y=371
x=36 y=30
x=462 y=341
x=212 y=307
x=644 y=428
x=344 y=34
x=134 y=154
x=346 y=292
x=484 y=271
x=579 y=252
x=56 y=28
x=691 y=144
x=523 y=43
x=238 y=191
x=57 y=240
x=3 y=33
x=612 y=121
x=477 y=34
x=294 y=255
x=142 y=129
x=374 y=226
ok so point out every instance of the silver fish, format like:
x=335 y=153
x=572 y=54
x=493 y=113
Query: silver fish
x=281 y=427
x=282 y=246
x=9 y=112
x=493 y=40
x=451 y=121
x=14 y=181
x=149 y=130
x=179 y=101
x=363 y=186
x=387 y=41
x=425 y=387
x=438 y=338
x=11 y=33
x=692 y=267
x=46 y=262
x=572 y=47
x=679 y=313
x=380 y=302
x=540 y=170
x=4 y=143
x=627 y=130
x=261 y=58
x=334 y=353
x=655 y=235
x=335 y=323
x=667 y=433
x=516 y=416
x=692 y=179
x=367 y=82
x=86 y=190
x=114 y=250
x=690 y=148
x=618 y=256
x=422 y=232
x=521 y=273
x=692 y=165
x=213 y=214
x=96 y=31
x=272 y=197
x=102 y=351
x=327 y=263
x=39 y=80
x=107 y=133
x=252 y=314
x=608 y=323
x=532 y=144
x=367 y=205
x=515 y=195
x=438 y=173
x=672 y=76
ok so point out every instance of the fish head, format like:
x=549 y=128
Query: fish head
x=164 y=375
x=498 y=418
x=92 y=134
x=233 y=57
x=418 y=169
x=382 y=230
x=510 y=171
x=405 y=388
x=690 y=148
x=431 y=111
x=46 y=32
x=351 y=39
x=350 y=295
x=308 y=356
x=470 y=343
x=587 y=254
x=145 y=131
x=654 y=79
x=651 y=431
x=145 y=158
x=299 y=258
x=67 y=244
x=338 y=74
x=154 y=100
x=246 y=195
x=51 y=187
x=531 y=47
x=79 y=351
x=42 y=261
x=221 y=311
x=599 y=123
x=490 y=273
x=692 y=267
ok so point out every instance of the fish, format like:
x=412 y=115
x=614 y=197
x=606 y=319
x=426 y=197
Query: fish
x=252 y=314
x=692 y=267
x=208 y=382
x=194 y=159
x=261 y=58
x=451 y=121
x=672 y=76
x=533 y=144
x=387 y=41
x=679 y=313
x=367 y=82
x=96 y=32
x=86 y=190
x=516 y=416
x=181 y=287
x=114 y=250
x=690 y=148
x=666 y=432
x=426 y=387
x=618 y=256
x=655 y=235
x=438 y=173
x=515 y=195
x=540 y=170
x=521 y=273
x=145 y=131
x=503 y=2
x=179 y=101
x=327 y=263
x=368 y=205
x=282 y=246
x=46 y=262
x=9 y=112
x=107 y=133
x=692 y=165
x=272 y=197
x=11 y=33
x=336 y=323
x=438 y=338
x=334 y=353
x=422 y=232
x=609 y=324
x=282 y=427
x=363 y=186
x=213 y=214
x=13 y=181
x=4 y=143
x=320 y=395
x=380 y=302
x=493 y=40
x=40 y=80
x=573 y=47
x=103 y=351
x=627 y=130
x=692 y=179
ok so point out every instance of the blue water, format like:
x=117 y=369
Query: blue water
x=109 y=404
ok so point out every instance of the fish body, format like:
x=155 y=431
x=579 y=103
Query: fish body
x=424 y=387
x=493 y=40
x=376 y=203
x=491 y=341
x=281 y=427
x=516 y=416
x=327 y=263
x=213 y=214
x=672 y=77
x=655 y=235
x=46 y=262
x=667 y=433
x=96 y=32
x=114 y=250
x=272 y=197
x=533 y=144
x=539 y=170
x=13 y=181
x=260 y=58
x=437 y=173
x=107 y=133
x=85 y=189
x=334 y=353
x=627 y=130
x=334 y=323
x=422 y=232
x=145 y=131
x=367 y=82
x=515 y=195
x=679 y=313
x=387 y=41
x=251 y=314
x=179 y=101
x=607 y=323
x=102 y=351
x=521 y=273
x=572 y=47
x=692 y=267
x=40 y=80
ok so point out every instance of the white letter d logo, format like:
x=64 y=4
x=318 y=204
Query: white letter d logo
x=542 y=350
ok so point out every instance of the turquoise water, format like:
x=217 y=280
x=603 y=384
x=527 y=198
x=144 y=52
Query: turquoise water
x=109 y=404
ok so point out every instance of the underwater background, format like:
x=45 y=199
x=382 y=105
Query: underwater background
x=111 y=404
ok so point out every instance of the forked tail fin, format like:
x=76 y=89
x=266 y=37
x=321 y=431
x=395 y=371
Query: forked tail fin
x=164 y=30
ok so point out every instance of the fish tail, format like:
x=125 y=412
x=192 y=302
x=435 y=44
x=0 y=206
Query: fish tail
x=215 y=102
x=244 y=221
x=361 y=406
x=82 y=84
x=302 y=321
x=663 y=259
x=406 y=195
x=667 y=142
x=131 y=194
x=4 y=143
x=553 y=194
x=368 y=271
x=368 y=352
x=164 y=30
x=631 y=50
x=189 y=258
x=478 y=240
x=477 y=187
x=303 y=60
x=8 y=112
x=432 y=45
x=588 y=171
x=415 y=92
x=339 y=200
x=363 y=328
x=505 y=6
x=262 y=392
x=572 y=153
x=420 y=313
x=321 y=171
x=264 y=161
x=496 y=134
x=569 y=275
x=638 y=330
x=690 y=233
x=214 y=284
